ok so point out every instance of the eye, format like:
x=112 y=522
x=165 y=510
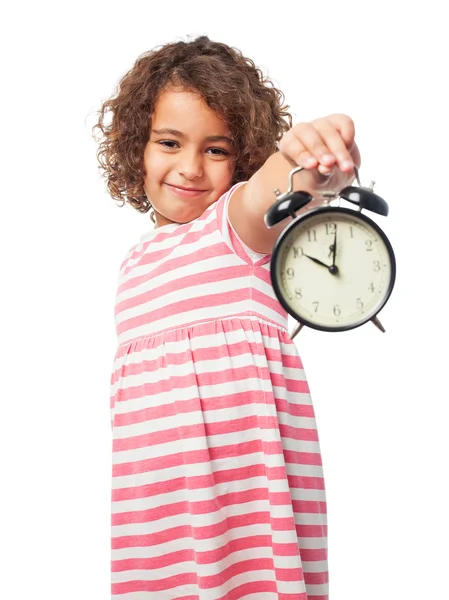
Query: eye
x=166 y=143
x=219 y=151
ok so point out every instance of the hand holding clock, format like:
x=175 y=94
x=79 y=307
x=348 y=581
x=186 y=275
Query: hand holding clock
x=326 y=153
x=320 y=145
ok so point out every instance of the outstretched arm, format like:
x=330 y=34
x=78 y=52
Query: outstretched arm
x=325 y=147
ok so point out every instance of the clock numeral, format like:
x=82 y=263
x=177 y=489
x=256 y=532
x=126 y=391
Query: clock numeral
x=337 y=311
x=351 y=231
x=316 y=304
x=311 y=235
x=376 y=266
x=359 y=304
x=290 y=273
x=371 y=287
x=369 y=245
x=297 y=252
x=298 y=292
x=330 y=228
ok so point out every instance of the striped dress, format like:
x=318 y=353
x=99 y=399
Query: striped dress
x=217 y=481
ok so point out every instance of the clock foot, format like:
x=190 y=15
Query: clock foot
x=297 y=329
x=378 y=324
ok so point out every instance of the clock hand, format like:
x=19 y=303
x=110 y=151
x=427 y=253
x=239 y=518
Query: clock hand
x=315 y=260
x=333 y=269
x=334 y=249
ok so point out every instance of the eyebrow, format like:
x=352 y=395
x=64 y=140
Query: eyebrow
x=211 y=138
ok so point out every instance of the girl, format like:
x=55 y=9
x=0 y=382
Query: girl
x=218 y=489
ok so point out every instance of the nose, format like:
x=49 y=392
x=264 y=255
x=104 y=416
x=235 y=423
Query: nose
x=190 y=165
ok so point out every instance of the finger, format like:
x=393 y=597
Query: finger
x=355 y=155
x=325 y=170
x=345 y=125
x=334 y=141
x=310 y=145
x=293 y=149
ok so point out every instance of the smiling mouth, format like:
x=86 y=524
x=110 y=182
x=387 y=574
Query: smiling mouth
x=179 y=187
x=185 y=192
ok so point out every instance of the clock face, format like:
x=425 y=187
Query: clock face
x=333 y=269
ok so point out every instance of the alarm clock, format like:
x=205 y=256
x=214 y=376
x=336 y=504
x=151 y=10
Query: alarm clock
x=332 y=268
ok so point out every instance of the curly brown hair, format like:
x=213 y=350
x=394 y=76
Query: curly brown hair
x=230 y=84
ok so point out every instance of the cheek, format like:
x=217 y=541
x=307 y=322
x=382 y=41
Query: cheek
x=155 y=166
x=222 y=176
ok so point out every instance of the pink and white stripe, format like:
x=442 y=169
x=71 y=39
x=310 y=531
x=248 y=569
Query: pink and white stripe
x=217 y=482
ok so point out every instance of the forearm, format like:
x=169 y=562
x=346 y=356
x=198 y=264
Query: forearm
x=274 y=174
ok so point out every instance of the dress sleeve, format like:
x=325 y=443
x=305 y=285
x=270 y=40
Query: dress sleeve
x=229 y=234
x=130 y=255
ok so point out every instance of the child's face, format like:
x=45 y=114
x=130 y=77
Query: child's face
x=185 y=157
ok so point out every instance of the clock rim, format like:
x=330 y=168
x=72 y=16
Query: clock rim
x=300 y=219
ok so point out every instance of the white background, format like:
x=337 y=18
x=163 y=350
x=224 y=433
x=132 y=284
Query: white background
x=380 y=399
